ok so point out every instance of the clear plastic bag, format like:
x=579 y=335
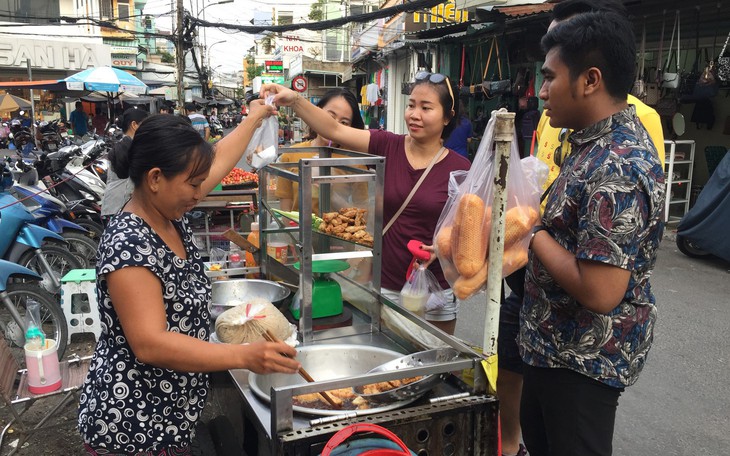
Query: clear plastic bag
x=462 y=233
x=35 y=339
x=262 y=149
x=422 y=292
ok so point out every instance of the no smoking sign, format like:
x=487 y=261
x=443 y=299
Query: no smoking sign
x=299 y=84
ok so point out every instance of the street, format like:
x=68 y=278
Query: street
x=680 y=404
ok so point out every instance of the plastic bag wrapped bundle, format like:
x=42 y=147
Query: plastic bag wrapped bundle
x=247 y=321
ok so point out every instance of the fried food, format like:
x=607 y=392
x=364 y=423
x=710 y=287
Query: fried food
x=348 y=223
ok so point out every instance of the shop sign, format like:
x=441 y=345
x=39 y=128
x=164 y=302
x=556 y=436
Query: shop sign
x=274 y=66
x=124 y=61
x=52 y=55
x=299 y=83
x=444 y=14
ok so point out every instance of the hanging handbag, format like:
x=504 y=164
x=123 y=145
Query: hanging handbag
x=406 y=85
x=689 y=79
x=639 y=89
x=499 y=86
x=707 y=85
x=723 y=64
x=667 y=107
x=671 y=80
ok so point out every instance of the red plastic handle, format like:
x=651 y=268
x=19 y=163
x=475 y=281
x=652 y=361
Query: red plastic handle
x=415 y=248
x=347 y=432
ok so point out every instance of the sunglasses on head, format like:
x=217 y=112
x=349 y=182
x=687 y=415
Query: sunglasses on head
x=436 y=78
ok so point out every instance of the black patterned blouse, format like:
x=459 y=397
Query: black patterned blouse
x=127 y=406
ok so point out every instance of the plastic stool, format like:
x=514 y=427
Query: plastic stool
x=78 y=300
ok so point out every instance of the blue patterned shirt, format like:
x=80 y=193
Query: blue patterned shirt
x=606 y=205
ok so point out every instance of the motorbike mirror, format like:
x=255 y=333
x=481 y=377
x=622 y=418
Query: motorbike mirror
x=678 y=124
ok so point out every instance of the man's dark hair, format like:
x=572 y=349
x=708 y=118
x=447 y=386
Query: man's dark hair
x=78 y=105
x=597 y=39
x=191 y=107
x=569 y=8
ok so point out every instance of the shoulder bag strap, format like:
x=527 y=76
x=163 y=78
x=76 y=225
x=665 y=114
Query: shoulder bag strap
x=722 y=53
x=415 y=188
x=696 y=64
x=679 y=30
x=499 y=60
x=671 y=45
x=489 y=59
x=658 y=75
x=642 y=52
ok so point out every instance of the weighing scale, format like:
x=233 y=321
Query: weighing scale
x=326 y=292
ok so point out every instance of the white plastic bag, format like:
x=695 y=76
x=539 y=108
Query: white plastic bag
x=262 y=149
x=422 y=292
x=462 y=233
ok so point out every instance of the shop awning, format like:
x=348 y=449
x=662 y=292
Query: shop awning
x=46 y=84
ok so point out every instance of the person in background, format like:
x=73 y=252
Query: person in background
x=200 y=123
x=430 y=117
x=148 y=380
x=164 y=109
x=459 y=139
x=79 y=120
x=341 y=104
x=588 y=315
x=552 y=148
x=118 y=191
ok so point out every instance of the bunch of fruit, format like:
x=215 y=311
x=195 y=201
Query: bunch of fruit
x=238 y=176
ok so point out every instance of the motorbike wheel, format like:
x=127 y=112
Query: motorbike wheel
x=53 y=322
x=82 y=246
x=93 y=228
x=61 y=261
x=690 y=249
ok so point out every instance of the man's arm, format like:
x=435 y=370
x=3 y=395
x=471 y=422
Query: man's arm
x=207 y=133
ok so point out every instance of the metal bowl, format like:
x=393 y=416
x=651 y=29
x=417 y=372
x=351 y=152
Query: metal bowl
x=329 y=362
x=229 y=293
x=415 y=389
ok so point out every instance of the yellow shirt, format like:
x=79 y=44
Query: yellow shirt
x=547 y=138
x=289 y=189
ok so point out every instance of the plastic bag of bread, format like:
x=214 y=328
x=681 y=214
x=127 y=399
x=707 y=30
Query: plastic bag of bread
x=262 y=149
x=463 y=231
x=247 y=321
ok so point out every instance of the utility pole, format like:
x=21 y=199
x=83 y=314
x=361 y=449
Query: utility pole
x=180 y=56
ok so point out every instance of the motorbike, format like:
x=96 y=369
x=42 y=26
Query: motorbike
x=21 y=138
x=23 y=242
x=216 y=129
x=700 y=232
x=19 y=287
x=49 y=136
x=51 y=213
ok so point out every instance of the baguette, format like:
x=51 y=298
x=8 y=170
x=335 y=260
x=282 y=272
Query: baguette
x=518 y=223
x=443 y=242
x=468 y=241
x=467 y=286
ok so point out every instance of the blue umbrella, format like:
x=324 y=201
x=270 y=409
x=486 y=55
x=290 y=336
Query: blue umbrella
x=105 y=79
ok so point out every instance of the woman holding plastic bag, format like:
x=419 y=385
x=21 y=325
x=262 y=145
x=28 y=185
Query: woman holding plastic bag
x=462 y=235
x=417 y=173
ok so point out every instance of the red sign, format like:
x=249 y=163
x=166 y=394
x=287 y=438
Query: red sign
x=299 y=83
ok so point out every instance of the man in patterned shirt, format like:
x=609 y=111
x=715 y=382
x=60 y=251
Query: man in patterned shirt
x=588 y=313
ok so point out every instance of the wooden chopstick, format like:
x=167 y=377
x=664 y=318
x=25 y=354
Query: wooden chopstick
x=334 y=402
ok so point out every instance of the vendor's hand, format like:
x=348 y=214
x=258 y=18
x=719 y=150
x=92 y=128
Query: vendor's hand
x=282 y=95
x=258 y=111
x=268 y=357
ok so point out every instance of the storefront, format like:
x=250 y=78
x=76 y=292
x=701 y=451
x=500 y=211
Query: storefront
x=50 y=59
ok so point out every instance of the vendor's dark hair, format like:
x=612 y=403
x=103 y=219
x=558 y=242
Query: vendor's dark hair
x=331 y=94
x=132 y=115
x=597 y=39
x=165 y=142
x=446 y=100
x=569 y=8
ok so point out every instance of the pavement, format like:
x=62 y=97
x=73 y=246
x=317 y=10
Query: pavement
x=681 y=403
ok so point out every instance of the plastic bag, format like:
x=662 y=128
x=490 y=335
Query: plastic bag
x=262 y=149
x=35 y=339
x=422 y=292
x=462 y=233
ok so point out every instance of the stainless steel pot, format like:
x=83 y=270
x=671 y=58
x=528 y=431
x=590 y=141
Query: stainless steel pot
x=229 y=293
x=328 y=362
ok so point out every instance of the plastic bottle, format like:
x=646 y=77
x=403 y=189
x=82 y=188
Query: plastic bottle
x=253 y=238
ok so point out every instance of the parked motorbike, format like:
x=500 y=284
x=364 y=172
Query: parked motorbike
x=51 y=213
x=21 y=137
x=49 y=136
x=700 y=233
x=19 y=286
x=22 y=242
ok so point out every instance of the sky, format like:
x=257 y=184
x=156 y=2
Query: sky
x=229 y=55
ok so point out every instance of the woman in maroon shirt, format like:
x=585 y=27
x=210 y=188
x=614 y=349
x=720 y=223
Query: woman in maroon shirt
x=430 y=117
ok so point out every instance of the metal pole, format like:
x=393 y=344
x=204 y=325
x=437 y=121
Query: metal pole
x=180 y=57
x=32 y=101
x=504 y=129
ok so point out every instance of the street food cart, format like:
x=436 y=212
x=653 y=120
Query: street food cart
x=456 y=417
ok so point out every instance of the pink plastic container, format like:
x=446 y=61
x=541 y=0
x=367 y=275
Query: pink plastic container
x=44 y=373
